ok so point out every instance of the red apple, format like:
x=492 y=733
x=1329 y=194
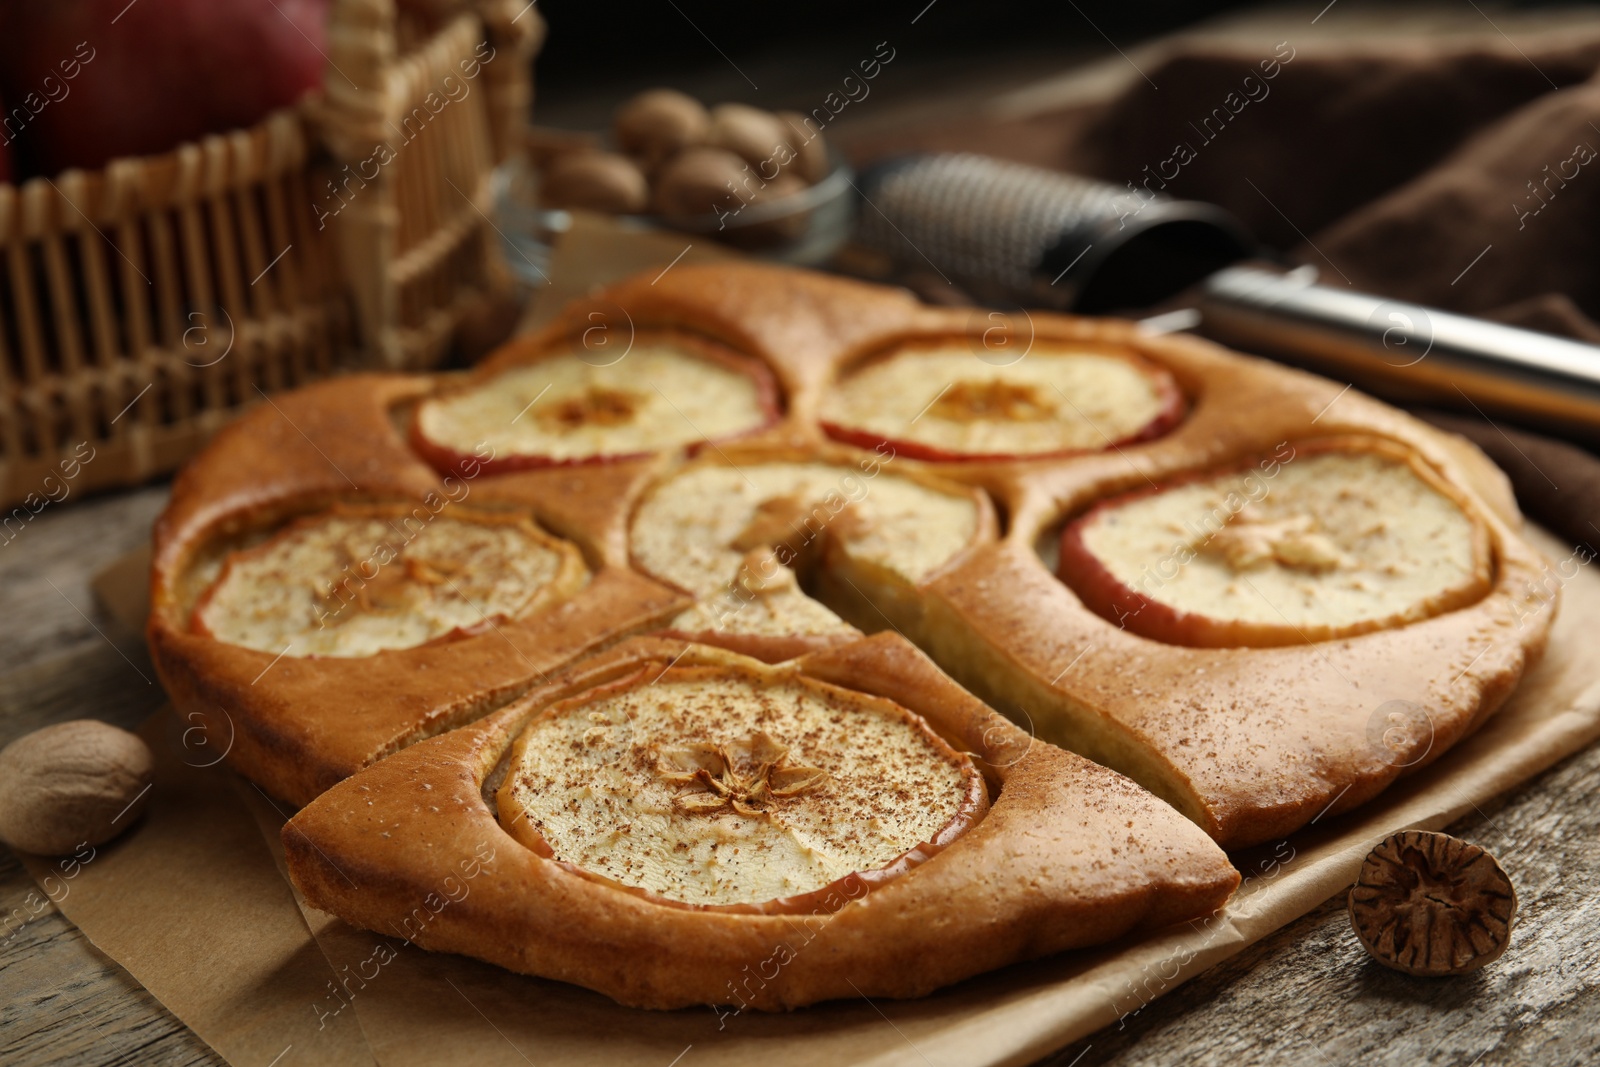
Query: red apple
x=98 y=79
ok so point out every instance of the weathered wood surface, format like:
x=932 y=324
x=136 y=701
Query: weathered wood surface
x=61 y=1000
x=1306 y=993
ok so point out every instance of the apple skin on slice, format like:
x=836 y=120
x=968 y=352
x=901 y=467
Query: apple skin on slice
x=1002 y=399
x=1298 y=524
x=607 y=404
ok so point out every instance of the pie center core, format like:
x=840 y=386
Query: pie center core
x=747 y=775
x=598 y=405
x=978 y=400
x=1295 y=542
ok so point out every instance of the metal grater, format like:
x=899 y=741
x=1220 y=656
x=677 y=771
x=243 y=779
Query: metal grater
x=1010 y=233
x=1019 y=236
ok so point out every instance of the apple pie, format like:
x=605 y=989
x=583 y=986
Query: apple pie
x=618 y=605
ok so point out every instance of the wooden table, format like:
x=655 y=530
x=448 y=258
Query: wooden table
x=1307 y=993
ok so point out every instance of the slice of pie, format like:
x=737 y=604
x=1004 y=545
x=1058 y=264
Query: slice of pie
x=320 y=597
x=688 y=826
x=721 y=788
x=1262 y=642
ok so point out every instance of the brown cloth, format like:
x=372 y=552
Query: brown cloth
x=1557 y=484
x=1392 y=169
x=1462 y=173
x=1389 y=162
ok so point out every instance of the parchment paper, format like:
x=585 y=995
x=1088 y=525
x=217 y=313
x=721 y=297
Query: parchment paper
x=193 y=903
x=189 y=901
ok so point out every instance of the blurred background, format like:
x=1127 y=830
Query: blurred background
x=796 y=55
x=209 y=202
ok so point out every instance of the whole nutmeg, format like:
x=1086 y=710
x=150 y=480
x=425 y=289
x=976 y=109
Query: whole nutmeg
x=75 y=783
x=755 y=136
x=811 y=152
x=702 y=181
x=659 y=123
x=595 y=181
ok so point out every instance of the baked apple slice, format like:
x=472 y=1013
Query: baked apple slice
x=355 y=580
x=1322 y=540
x=936 y=400
x=741 y=538
x=670 y=390
x=742 y=790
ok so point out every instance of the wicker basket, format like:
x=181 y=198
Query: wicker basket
x=143 y=305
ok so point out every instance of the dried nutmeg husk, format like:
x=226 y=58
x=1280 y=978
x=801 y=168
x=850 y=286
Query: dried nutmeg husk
x=1432 y=905
x=75 y=783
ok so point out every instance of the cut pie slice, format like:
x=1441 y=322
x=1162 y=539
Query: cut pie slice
x=667 y=391
x=1323 y=540
x=938 y=400
x=676 y=825
x=354 y=580
x=1252 y=724
x=741 y=535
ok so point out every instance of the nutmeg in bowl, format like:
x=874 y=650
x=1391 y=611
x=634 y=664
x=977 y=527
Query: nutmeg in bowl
x=596 y=181
x=758 y=137
x=659 y=123
x=757 y=180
